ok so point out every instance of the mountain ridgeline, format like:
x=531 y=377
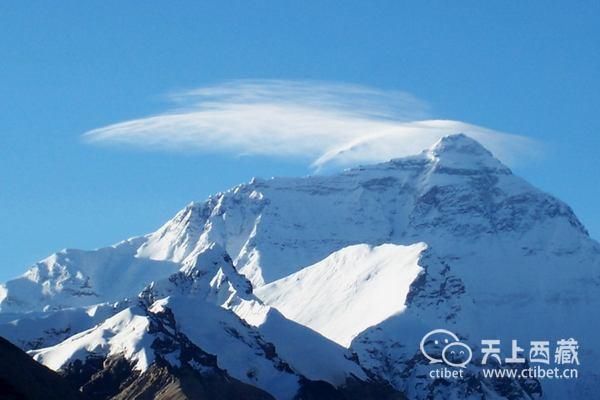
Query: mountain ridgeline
x=322 y=287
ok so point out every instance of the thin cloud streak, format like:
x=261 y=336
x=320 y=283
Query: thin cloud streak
x=328 y=125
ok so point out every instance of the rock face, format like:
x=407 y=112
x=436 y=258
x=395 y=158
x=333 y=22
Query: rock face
x=21 y=378
x=369 y=259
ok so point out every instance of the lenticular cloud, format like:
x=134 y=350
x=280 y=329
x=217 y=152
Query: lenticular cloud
x=326 y=124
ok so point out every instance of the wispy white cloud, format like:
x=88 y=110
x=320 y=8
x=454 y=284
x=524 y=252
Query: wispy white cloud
x=323 y=123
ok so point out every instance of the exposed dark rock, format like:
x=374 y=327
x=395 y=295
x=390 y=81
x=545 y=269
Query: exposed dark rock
x=165 y=383
x=22 y=378
x=114 y=378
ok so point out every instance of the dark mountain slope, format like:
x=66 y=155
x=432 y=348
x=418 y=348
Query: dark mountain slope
x=22 y=378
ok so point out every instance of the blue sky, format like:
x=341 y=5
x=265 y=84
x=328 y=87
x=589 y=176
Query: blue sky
x=525 y=68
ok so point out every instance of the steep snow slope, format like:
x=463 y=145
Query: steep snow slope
x=126 y=333
x=349 y=291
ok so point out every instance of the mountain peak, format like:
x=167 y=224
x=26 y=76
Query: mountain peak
x=459 y=151
x=459 y=143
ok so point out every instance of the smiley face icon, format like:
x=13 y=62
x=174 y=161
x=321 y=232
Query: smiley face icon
x=457 y=354
x=443 y=346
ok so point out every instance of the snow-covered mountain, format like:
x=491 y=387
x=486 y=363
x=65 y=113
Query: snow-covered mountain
x=76 y=278
x=371 y=258
x=197 y=308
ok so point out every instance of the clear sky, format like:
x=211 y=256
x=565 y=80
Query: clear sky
x=529 y=67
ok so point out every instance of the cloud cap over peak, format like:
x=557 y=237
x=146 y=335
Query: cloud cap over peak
x=326 y=124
